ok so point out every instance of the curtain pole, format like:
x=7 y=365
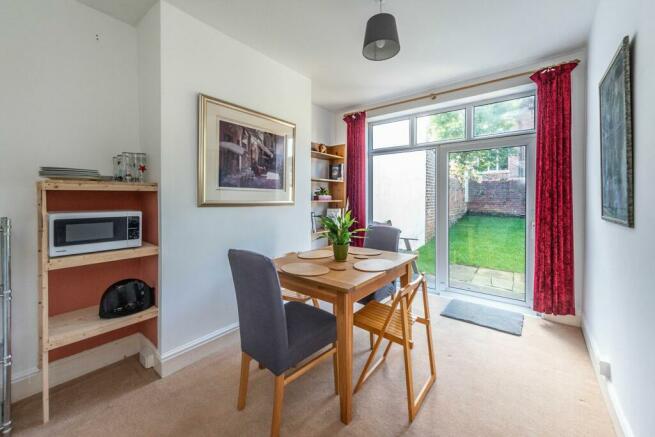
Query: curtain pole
x=433 y=96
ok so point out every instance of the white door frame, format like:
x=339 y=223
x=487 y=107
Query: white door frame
x=527 y=140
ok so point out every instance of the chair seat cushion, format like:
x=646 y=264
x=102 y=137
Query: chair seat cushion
x=309 y=330
x=380 y=294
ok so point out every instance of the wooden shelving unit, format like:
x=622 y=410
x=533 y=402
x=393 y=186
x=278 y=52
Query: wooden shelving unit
x=78 y=325
x=70 y=287
x=337 y=187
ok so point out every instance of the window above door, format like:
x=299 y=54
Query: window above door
x=504 y=116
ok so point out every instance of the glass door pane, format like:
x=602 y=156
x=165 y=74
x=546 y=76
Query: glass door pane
x=487 y=221
x=403 y=191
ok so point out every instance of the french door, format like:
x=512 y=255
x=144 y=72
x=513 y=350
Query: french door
x=485 y=211
x=458 y=181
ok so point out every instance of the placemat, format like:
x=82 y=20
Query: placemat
x=305 y=269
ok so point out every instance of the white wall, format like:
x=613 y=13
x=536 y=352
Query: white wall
x=67 y=100
x=149 y=54
x=197 y=298
x=323 y=127
x=619 y=293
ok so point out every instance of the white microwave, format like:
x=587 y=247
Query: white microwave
x=73 y=233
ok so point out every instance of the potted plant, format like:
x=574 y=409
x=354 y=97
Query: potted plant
x=323 y=194
x=339 y=233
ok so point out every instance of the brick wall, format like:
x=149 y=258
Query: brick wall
x=503 y=197
x=457 y=206
x=497 y=197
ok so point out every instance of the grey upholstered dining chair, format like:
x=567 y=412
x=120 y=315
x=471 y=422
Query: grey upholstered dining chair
x=277 y=335
x=381 y=237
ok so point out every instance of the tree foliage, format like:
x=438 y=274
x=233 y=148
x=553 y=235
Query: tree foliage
x=508 y=116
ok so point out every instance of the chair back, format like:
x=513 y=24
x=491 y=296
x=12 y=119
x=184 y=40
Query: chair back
x=382 y=237
x=262 y=319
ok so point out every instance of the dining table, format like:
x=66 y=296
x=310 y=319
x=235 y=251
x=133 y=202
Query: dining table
x=343 y=285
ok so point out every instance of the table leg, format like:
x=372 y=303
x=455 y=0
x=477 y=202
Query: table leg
x=345 y=354
x=406 y=277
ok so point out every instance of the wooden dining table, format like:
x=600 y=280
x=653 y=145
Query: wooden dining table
x=342 y=286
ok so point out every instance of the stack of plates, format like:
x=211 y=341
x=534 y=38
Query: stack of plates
x=69 y=173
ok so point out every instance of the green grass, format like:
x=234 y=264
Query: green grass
x=482 y=241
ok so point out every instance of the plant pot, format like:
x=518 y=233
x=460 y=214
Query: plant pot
x=340 y=252
x=325 y=197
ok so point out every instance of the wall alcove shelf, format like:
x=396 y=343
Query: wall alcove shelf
x=70 y=287
x=321 y=177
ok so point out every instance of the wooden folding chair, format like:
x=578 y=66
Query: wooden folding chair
x=393 y=323
x=294 y=296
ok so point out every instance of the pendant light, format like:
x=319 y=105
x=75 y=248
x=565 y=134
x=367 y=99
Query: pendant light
x=381 y=37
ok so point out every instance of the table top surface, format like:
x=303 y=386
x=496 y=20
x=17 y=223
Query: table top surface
x=346 y=279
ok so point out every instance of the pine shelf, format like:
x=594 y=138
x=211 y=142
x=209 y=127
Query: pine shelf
x=330 y=181
x=82 y=185
x=326 y=156
x=327 y=201
x=74 y=326
x=86 y=259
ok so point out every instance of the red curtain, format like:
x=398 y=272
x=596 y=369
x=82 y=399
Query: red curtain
x=553 y=275
x=356 y=168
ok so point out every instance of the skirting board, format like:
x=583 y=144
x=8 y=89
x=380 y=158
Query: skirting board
x=186 y=354
x=621 y=425
x=28 y=383
x=564 y=320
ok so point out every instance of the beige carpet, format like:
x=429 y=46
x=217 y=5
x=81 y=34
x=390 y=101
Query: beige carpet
x=489 y=384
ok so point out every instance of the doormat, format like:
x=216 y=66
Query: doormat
x=482 y=315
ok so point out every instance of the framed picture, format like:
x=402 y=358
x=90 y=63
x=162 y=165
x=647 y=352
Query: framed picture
x=244 y=157
x=316 y=222
x=616 y=139
x=333 y=212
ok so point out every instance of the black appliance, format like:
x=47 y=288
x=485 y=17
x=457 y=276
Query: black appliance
x=126 y=297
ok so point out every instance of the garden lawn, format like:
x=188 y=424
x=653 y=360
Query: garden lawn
x=482 y=241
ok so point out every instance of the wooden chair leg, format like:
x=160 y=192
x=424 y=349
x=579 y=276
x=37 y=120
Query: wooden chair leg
x=335 y=365
x=386 y=351
x=371 y=339
x=428 y=328
x=315 y=302
x=243 y=382
x=278 y=398
x=409 y=374
x=365 y=371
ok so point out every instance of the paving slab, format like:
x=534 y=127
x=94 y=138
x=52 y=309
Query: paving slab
x=462 y=273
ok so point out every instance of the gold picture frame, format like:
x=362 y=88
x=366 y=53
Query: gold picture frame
x=245 y=157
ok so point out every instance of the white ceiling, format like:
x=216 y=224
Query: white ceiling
x=129 y=11
x=442 y=41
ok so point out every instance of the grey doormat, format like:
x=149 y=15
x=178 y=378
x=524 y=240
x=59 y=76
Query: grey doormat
x=482 y=315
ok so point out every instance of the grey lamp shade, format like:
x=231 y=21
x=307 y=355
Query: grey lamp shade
x=381 y=38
